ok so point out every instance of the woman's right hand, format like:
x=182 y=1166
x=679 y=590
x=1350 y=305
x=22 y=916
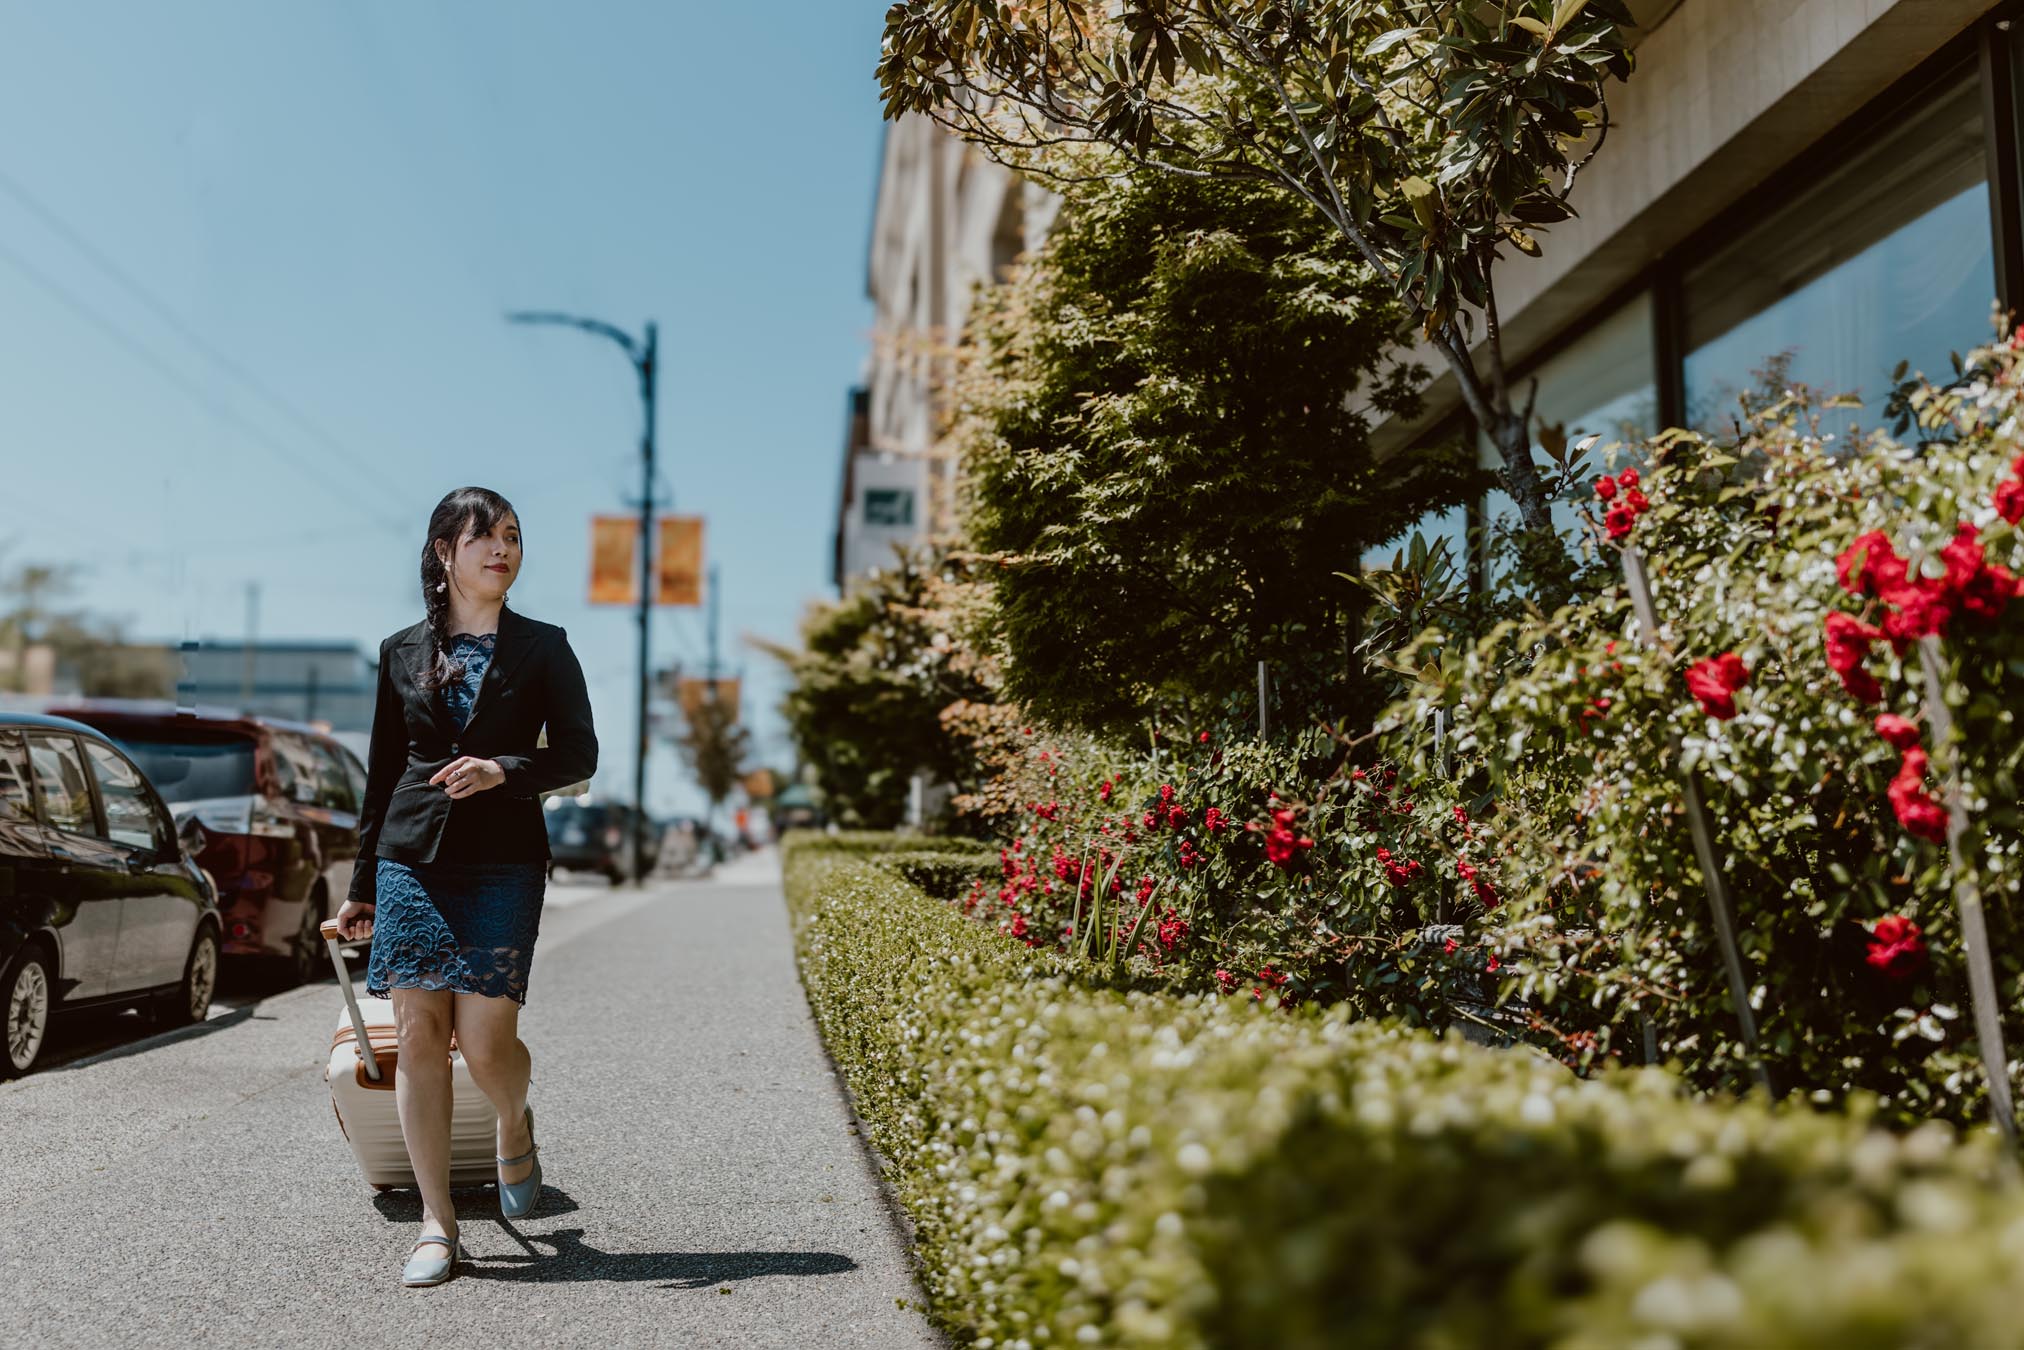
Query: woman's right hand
x=354 y=921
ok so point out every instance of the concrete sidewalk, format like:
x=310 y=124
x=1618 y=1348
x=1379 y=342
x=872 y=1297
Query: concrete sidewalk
x=704 y=1185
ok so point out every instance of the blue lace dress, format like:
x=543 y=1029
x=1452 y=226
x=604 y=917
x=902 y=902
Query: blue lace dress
x=463 y=926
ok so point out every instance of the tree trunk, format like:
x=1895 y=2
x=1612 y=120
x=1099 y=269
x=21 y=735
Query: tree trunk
x=1546 y=565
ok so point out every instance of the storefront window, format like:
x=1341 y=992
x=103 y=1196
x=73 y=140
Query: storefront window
x=1887 y=258
x=1603 y=385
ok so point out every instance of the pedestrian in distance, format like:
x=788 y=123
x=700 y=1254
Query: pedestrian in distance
x=453 y=847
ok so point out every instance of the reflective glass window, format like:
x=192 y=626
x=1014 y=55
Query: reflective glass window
x=17 y=800
x=1603 y=384
x=129 y=814
x=1887 y=258
x=59 y=775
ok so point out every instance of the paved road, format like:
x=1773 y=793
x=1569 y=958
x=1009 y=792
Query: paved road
x=241 y=985
x=704 y=1183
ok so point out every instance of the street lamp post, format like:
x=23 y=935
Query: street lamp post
x=642 y=355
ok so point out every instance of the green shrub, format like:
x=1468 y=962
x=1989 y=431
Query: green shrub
x=1091 y=1166
x=874 y=843
x=1580 y=732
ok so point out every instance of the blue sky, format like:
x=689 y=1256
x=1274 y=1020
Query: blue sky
x=341 y=200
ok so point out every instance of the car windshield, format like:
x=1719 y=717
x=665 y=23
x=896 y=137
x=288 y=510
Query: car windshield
x=187 y=768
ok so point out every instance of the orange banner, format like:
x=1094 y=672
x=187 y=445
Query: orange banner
x=614 y=560
x=678 y=566
x=693 y=694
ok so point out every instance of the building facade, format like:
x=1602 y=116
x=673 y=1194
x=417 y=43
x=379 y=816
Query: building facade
x=945 y=221
x=1801 y=192
x=332 y=683
x=1791 y=191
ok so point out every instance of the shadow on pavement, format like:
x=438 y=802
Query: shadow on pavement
x=404 y=1204
x=573 y=1259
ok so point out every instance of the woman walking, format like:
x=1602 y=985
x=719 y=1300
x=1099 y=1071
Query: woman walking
x=453 y=847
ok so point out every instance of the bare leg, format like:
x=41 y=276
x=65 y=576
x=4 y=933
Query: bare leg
x=488 y=1034
x=422 y=1094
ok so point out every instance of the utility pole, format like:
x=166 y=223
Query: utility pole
x=644 y=356
x=252 y=636
x=712 y=672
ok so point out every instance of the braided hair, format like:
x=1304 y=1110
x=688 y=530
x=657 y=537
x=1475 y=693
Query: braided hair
x=467 y=511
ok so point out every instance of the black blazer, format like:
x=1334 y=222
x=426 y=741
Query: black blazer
x=534 y=679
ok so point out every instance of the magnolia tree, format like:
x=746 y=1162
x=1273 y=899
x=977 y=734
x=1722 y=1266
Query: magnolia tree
x=1432 y=135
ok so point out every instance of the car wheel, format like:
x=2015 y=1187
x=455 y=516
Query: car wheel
x=191 y=1000
x=308 y=957
x=27 y=997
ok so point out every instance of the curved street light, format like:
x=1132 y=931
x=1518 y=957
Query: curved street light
x=642 y=355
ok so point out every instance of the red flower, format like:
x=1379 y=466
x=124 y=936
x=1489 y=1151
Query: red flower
x=1227 y=980
x=1848 y=643
x=1166 y=793
x=1214 y=821
x=1145 y=891
x=1203 y=738
x=1636 y=501
x=1448 y=947
x=1972 y=582
x=1283 y=846
x=2009 y=499
x=1103 y=793
x=1018 y=928
x=1273 y=977
x=1177 y=816
x=1900 y=733
x=1869 y=565
x=1493 y=964
x=1605 y=487
x=1916 y=809
x=1619 y=520
x=1486 y=894
x=1897 y=947
x=1714 y=683
x=1628 y=478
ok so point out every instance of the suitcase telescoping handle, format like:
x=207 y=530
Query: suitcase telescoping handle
x=367 y=1058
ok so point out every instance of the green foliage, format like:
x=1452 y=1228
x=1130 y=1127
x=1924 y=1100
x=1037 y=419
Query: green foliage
x=870 y=681
x=1161 y=455
x=1086 y=1166
x=715 y=747
x=1431 y=136
x=1581 y=734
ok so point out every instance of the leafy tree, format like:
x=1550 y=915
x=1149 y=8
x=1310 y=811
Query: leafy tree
x=715 y=747
x=1162 y=459
x=872 y=677
x=1431 y=135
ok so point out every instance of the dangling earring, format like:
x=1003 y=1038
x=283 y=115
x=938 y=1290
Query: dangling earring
x=442 y=586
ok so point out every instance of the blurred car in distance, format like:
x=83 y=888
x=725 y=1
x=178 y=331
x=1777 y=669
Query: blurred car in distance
x=101 y=902
x=589 y=834
x=277 y=805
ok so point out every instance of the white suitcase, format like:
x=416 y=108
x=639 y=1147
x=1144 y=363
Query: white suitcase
x=362 y=1094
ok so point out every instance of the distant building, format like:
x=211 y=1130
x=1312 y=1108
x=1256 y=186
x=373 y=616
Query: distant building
x=327 y=682
x=946 y=220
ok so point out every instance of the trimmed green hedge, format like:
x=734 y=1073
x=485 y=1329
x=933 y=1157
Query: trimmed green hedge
x=1093 y=1167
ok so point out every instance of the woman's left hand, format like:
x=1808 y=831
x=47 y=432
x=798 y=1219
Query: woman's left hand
x=466 y=774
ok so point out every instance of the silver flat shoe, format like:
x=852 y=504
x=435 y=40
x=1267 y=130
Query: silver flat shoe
x=423 y=1270
x=517 y=1198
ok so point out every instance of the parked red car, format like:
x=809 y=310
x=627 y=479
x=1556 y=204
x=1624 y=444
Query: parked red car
x=278 y=802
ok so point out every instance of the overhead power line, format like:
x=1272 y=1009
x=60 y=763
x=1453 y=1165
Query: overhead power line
x=175 y=323
x=141 y=352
